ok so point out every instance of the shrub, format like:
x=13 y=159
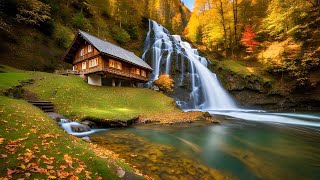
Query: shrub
x=120 y=35
x=33 y=12
x=63 y=36
x=80 y=22
x=133 y=31
x=164 y=82
x=47 y=27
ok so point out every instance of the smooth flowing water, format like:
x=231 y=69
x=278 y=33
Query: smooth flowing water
x=233 y=149
x=172 y=56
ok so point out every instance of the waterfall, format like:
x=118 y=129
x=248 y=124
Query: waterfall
x=165 y=51
x=67 y=126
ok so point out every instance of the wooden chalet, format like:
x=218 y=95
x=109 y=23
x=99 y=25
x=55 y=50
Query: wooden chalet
x=103 y=63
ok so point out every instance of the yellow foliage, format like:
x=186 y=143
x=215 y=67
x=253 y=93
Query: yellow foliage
x=165 y=83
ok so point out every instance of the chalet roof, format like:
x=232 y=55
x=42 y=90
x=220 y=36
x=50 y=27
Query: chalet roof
x=113 y=50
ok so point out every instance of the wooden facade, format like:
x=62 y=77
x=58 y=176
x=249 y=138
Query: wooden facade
x=87 y=60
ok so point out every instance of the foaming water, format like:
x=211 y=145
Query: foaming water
x=283 y=118
x=67 y=126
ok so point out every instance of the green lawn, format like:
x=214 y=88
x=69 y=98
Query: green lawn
x=73 y=97
x=76 y=99
x=10 y=77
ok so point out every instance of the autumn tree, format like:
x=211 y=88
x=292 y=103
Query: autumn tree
x=284 y=16
x=248 y=39
x=165 y=83
x=177 y=23
x=32 y=12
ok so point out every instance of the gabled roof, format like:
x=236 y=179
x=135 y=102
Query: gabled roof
x=107 y=48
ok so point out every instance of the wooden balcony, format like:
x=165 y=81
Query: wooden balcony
x=114 y=72
x=86 y=56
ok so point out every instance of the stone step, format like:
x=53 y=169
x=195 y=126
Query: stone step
x=48 y=110
x=45 y=106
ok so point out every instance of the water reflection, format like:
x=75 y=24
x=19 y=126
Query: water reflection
x=233 y=150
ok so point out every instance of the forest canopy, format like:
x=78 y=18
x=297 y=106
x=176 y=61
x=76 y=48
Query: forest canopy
x=283 y=35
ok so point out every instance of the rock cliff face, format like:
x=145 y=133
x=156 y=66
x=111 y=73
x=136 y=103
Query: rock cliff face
x=278 y=94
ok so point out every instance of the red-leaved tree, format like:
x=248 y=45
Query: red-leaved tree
x=248 y=39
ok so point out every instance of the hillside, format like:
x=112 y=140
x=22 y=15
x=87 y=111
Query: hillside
x=35 y=34
x=266 y=52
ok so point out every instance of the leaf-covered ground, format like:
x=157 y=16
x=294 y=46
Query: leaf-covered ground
x=34 y=146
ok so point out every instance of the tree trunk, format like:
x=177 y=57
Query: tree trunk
x=235 y=20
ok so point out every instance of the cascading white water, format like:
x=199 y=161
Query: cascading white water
x=206 y=91
x=67 y=126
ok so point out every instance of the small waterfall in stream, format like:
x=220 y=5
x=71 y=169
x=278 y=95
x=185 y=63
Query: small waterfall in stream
x=68 y=127
x=196 y=87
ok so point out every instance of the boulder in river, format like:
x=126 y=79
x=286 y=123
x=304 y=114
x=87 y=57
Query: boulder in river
x=89 y=123
x=86 y=139
x=80 y=128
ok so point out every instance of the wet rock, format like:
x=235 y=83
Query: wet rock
x=121 y=172
x=86 y=139
x=80 y=128
x=132 y=176
x=89 y=123
x=215 y=122
x=56 y=116
x=146 y=121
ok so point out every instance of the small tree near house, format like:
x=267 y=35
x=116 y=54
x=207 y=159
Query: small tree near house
x=247 y=39
x=164 y=82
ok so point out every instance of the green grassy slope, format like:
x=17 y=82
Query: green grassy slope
x=75 y=98
x=31 y=142
x=12 y=78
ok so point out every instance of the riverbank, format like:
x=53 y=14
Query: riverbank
x=33 y=145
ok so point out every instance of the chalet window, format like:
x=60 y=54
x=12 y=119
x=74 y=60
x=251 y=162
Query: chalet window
x=89 y=48
x=143 y=73
x=112 y=63
x=119 y=65
x=132 y=70
x=93 y=62
x=115 y=64
x=82 y=52
x=84 y=65
x=138 y=71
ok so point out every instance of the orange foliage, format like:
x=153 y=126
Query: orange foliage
x=164 y=82
x=248 y=39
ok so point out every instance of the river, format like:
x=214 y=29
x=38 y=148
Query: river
x=234 y=149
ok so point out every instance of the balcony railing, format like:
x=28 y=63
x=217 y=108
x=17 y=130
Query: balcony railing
x=113 y=71
x=86 y=56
